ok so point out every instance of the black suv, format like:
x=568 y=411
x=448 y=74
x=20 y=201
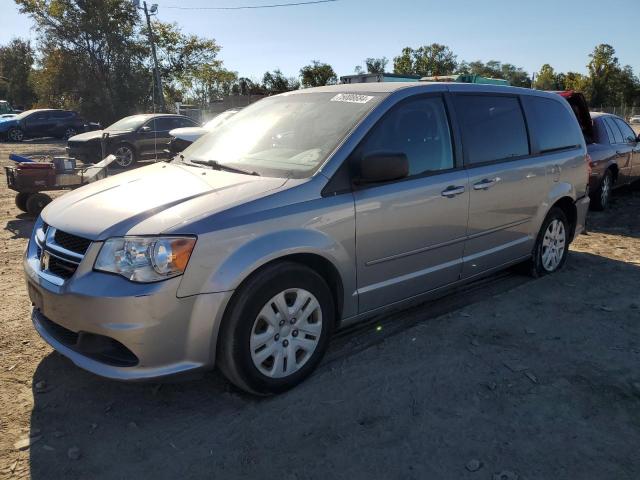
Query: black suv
x=130 y=139
x=44 y=123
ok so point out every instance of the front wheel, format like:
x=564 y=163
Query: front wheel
x=70 y=132
x=277 y=329
x=15 y=134
x=125 y=156
x=552 y=244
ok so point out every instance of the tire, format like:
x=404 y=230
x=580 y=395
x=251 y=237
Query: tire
x=125 y=156
x=69 y=132
x=21 y=200
x=600 y=198
x=15 y=134
x=36 y=202
x=544 y=263
x=253 y=317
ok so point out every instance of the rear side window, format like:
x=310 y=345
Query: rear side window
x=417 y=127
x=617 y=134
x=627 y=132
x=552 y=125
x=493 y=127
x=607 y=129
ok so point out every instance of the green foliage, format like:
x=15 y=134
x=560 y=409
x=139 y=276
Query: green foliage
x=495 y=69
x=547 y=79
x=376 y=65
x=16 y=62
x=318 y=74
x=425 y=61
x=275 y=82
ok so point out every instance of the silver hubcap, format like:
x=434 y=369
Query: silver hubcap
x=286 y=333
x=16 y=135
x=553 y=245
x=605 y=190
x=124 y=156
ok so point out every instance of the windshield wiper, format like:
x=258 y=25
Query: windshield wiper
x=219 y=166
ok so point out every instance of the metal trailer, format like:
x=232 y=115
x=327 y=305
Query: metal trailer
x=34 y=175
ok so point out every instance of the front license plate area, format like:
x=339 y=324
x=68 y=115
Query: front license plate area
x=35 y=296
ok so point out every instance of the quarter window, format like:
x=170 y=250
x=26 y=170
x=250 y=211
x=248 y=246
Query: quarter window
x=552 y=125
x=419 y=129
x=493 y=127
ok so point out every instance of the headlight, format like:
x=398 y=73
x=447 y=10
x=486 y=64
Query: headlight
x=145 y=259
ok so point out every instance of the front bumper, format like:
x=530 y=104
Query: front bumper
x=86 y=152
x=123 y=330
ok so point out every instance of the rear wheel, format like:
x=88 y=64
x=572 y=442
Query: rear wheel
x=36 y=202
x=277 y=329
x=21 y=200
x=600 y=198
x=552 y=244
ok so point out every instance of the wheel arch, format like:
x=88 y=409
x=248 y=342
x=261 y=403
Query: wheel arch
x=568 y=206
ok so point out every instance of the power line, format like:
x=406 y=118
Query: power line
x=253 y=7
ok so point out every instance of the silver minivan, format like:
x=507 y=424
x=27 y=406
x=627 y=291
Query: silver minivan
x=305 y=212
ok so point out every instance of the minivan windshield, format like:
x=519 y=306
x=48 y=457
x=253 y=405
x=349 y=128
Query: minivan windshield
x=128 y=124
x=288 y=135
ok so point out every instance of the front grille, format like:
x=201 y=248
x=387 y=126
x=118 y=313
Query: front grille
x=61 y=268
x=72 y=242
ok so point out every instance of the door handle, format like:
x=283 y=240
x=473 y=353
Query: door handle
x=485 y=184
x=452 y=190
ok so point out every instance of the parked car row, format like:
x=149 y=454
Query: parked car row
x=44 y=123
x=614 y=149
x=301 y=214
x=130 y=139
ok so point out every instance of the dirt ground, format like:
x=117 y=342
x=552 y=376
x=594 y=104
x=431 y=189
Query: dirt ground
x=510 y=378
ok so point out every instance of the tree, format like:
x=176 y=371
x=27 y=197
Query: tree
x=425 y=61
x=546 y=79
x=376 y=65
x=603 y=68
x=16 y=62
x=516 y=76
x=318 y=74
x=275 y=82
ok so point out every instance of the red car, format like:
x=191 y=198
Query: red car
x=613 y=146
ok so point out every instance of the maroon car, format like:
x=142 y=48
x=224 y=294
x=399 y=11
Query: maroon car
x=613 y=146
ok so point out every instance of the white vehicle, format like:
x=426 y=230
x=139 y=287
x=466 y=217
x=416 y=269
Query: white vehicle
x=183 y=137
x=634 y=119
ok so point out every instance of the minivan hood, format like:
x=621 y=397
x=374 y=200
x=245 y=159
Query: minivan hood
x=150 y=200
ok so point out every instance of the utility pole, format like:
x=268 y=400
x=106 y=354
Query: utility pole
x=158 y=79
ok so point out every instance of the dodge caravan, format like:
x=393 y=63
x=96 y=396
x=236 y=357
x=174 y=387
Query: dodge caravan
x=303 y=213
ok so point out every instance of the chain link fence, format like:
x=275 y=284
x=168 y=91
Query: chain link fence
x=206 y=113
x=623 y=111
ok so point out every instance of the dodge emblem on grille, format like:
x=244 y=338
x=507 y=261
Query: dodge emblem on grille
x=44 y=260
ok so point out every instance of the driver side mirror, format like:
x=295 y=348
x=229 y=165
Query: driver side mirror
x=145 y=129
x=382 y=167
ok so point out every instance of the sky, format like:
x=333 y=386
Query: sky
x=344 y=33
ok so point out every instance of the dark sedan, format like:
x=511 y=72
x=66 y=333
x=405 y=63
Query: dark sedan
x=130 y=139
x=615 y=157
x=44 y=123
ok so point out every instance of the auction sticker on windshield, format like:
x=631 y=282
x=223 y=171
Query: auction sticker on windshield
x=351 y=98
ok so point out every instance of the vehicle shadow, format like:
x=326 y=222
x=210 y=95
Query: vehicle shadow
x=620 y=218
x=390 y=411
x=21 y=227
